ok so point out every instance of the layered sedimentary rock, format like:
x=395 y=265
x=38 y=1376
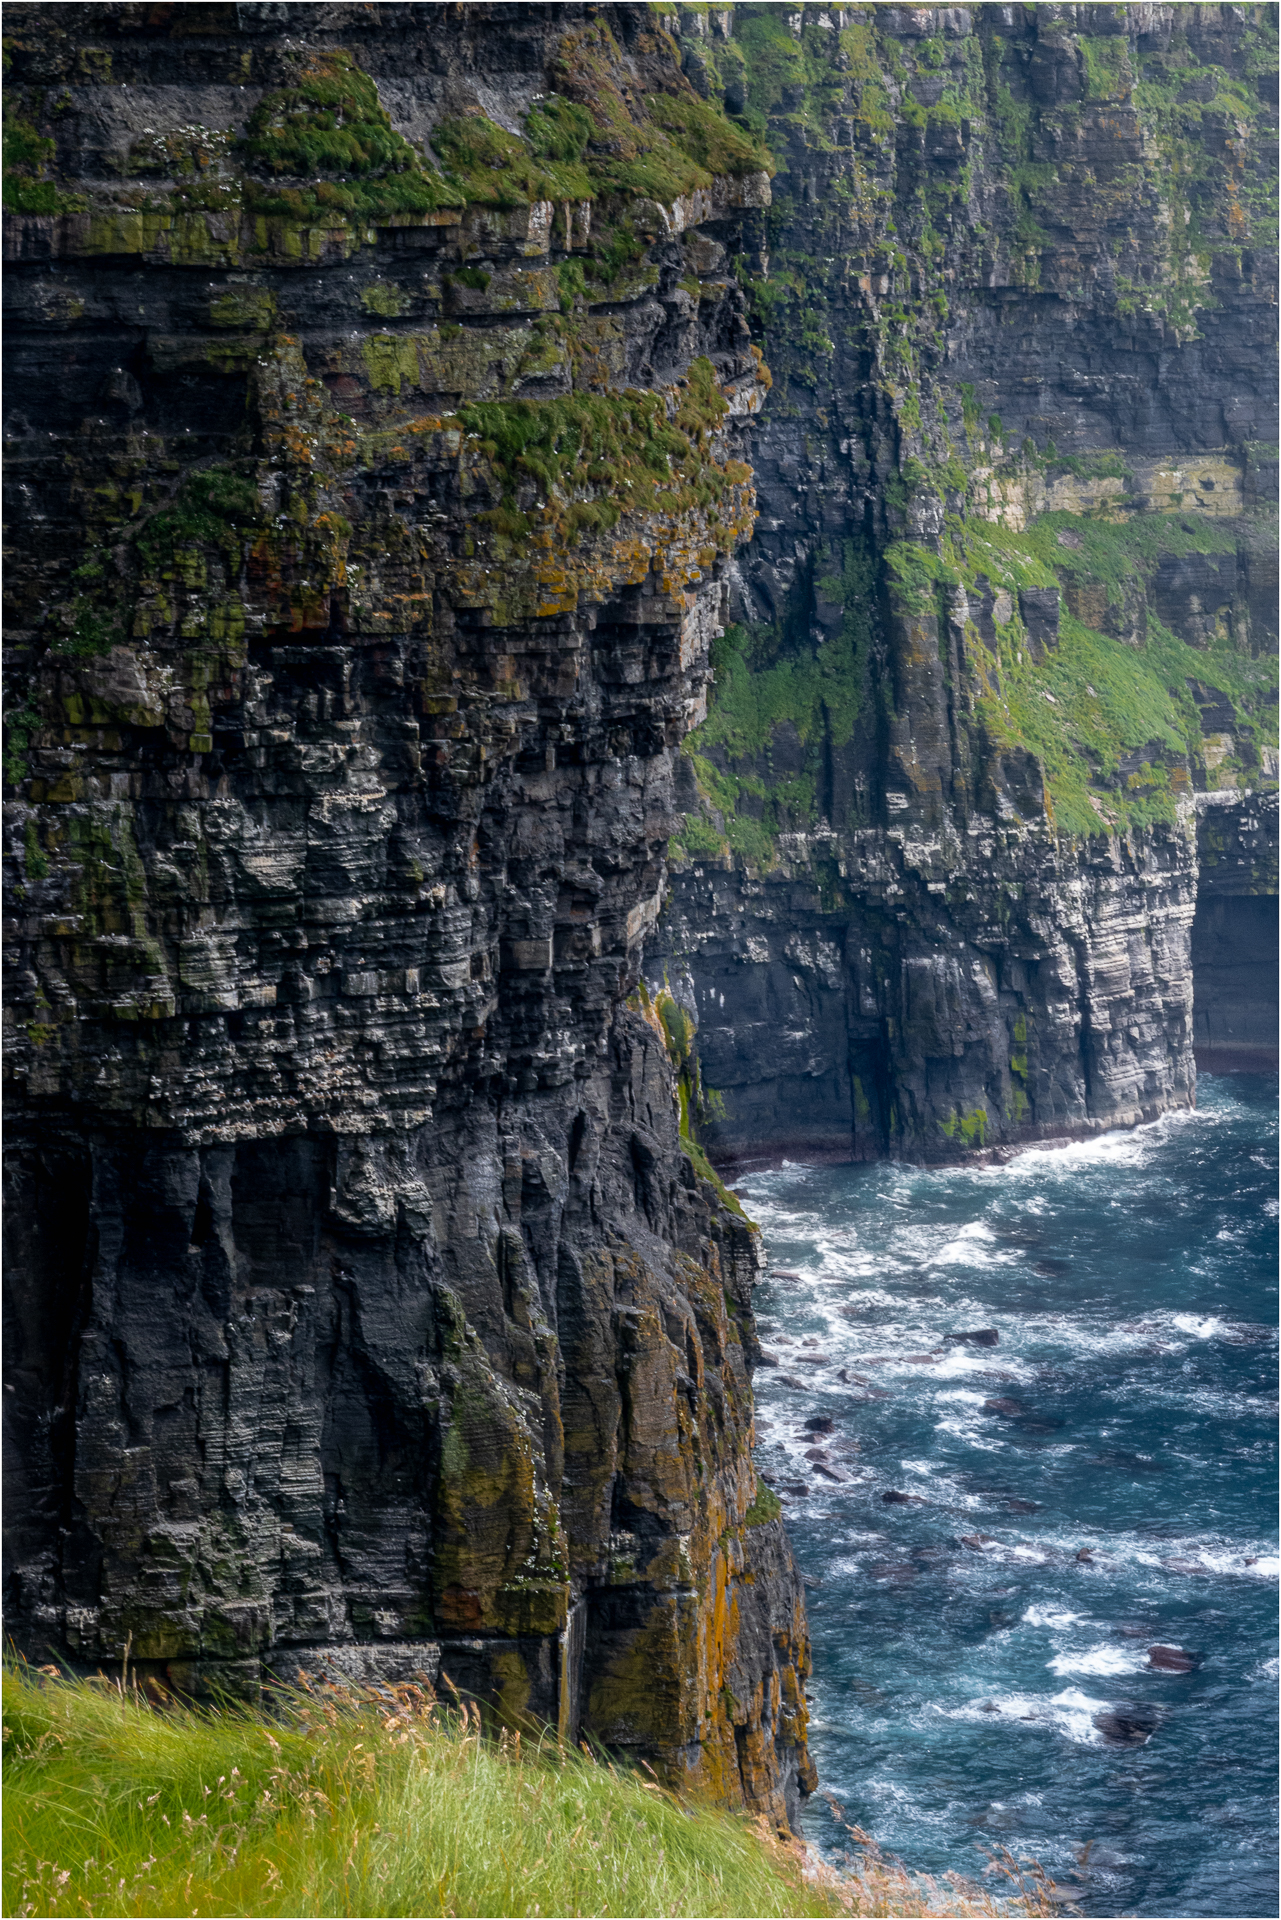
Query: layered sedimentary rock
x=375 y=400
x=1234 y=934
x=1009 y=615
x=385 y=391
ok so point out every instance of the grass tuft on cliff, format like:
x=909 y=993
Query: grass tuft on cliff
x=373 y=1802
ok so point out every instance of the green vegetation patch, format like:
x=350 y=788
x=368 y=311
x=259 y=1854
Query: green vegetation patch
x=767 y=678
x=1089 y=705
x=355 y=1802
x=213 y=506
x=598 y=456
x=765 y=1507
x=494 y=168
x=330 y=145
x=27 y=156
x=600 y=143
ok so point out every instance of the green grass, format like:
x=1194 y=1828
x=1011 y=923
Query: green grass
x=331 y=153
x=765 y=677
x=371 y=1803
x=621 y=450
x=1094 y=700
x=349 y=1805
x=1085 y=710
x=613 y=146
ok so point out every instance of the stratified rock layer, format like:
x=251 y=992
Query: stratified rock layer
x=1234 y=934
x=1008 y=610
x=365 y=1307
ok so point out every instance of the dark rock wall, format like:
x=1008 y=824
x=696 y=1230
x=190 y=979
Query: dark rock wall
x=936 y=883
x=364 y=1307
x=1234 y=933
x=382 y=390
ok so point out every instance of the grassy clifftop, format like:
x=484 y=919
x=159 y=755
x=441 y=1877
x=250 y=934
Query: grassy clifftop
x=377 y=1803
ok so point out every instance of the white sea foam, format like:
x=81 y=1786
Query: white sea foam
x=1070 y=1713
x=1037 y=1616
x=1200 y=1329
x=1101 y=1659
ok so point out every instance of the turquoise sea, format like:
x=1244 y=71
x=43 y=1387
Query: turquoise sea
x=1100 y=1481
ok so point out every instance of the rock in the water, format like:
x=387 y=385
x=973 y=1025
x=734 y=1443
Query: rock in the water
x=893 y=1499
x=820 y=1423
x=1129 y=1726
x=1008 y=1409
x=981 y=1337
x=1173 y=1660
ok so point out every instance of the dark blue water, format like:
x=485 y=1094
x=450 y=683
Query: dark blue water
x=976 y=1680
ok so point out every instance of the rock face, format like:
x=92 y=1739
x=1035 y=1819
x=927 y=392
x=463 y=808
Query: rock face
x=1234 y=934
x=1009 y=600
x=365 y=1307
x=382 y=391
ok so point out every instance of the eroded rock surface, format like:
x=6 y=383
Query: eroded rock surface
x=1004 y=627
x=371 y=533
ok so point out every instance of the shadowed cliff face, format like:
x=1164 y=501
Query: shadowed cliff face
x=1009 y=606
x=378 y=462
x=1234 y=934
x=372 y=503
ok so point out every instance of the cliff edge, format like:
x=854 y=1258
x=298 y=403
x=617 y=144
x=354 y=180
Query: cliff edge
x=375 y=401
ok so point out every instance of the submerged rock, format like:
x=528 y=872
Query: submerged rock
x=1173 y=1660
x=1131 y=1726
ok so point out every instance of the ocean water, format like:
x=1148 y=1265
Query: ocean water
x=1101 y=1481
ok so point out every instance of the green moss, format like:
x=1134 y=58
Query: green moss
x=595 y=457
x=385 y=299
x=35 y=860
x=697 y=837
x=766 y=1506
x=1108 y=75
x=969 y=1128
x=571 y=279
x=706 y=1171
x=246 y=309
x=21 y=724
x=27 y=154
x=213 y=506
x=330 y=139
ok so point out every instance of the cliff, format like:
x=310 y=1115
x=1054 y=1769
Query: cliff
x=376 y=394
x=394 y=467
x=1009 y=616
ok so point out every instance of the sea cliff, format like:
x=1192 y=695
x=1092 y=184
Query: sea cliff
x=414 y=417
x=377 y=395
